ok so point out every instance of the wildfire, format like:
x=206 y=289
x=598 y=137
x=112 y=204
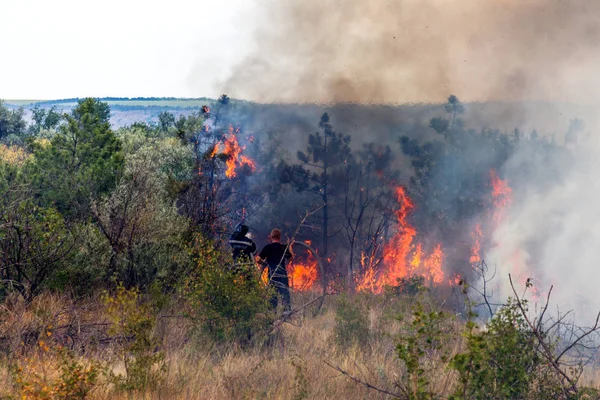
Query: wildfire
x=367 y=281
x=476 y=235
x=399 y=248
x=233 y=150
x=303 y=275
x=456 y=280
x=403 y=257
x=501 y=195
x=433 y=265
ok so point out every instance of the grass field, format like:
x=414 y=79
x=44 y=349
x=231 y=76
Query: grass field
x=175 y=103
x=305 y=359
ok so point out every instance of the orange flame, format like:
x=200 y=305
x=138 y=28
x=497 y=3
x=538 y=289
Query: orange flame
x=476 y=235
x=233 y=150
x=455 y=280
x=433 y=265
x=303 y=275
x=399 y=248
x=215 y=150
x=367 y=281
x=402 y=257
x=501 y=195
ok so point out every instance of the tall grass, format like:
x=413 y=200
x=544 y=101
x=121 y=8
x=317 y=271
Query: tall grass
x=294 y=364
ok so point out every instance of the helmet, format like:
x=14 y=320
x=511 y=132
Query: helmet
x=241 y=229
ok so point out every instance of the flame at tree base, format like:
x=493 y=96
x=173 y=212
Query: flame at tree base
x=403 y=258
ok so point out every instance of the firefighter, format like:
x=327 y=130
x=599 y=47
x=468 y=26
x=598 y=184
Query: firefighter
x=243 y=248
x=274 y=256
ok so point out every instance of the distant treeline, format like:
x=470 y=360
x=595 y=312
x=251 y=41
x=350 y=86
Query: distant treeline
x=108 y=99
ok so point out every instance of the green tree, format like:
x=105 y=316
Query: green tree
x=35 y=242
x=140 y=222
x=326 y=156
x=81 y=163
x=44 y=120
x=454 y=107
x=165 y=121
x=11 y=121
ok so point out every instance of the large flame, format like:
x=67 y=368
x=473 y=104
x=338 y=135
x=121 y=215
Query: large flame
x=233 y=150
x=303 y=275
x=403 y=257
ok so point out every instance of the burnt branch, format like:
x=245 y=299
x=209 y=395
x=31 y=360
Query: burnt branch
x=542 y=336
x=365 y=383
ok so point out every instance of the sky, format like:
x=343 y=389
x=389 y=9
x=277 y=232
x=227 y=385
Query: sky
x=124 y=48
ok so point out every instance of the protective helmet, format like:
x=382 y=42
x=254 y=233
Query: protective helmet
x=241 y=229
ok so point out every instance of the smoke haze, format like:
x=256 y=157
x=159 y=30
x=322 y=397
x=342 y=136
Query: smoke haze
x=421 y=50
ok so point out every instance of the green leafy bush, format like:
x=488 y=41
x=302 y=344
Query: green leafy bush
x=133 y=326
x=227 y=304
x=503 y=361
x=423 y=348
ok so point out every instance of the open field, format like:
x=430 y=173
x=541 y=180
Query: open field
x=157 y=102
x=312 y=356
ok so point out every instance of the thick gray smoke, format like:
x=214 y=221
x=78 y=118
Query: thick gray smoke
x=398 y=51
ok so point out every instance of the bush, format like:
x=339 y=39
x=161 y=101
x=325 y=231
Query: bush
x=33 y=378
x=423 y=348
x=503 y=362
x=227 y=304
x=133 y=326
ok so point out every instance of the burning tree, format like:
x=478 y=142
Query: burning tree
x=208 y=195
x=367 y=210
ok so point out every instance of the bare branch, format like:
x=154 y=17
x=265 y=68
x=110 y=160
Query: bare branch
x=364 y=383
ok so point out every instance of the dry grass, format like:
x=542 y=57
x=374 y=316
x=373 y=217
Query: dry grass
x=292 y=366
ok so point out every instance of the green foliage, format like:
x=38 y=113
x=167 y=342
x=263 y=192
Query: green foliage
x=11 y=122
x=421 y=346
x=76 y=379
x=133 y=324
x=409 y=286
x=35 y=242
x=81 y=163
x=44 y=120
x=503 y=362
x=140 y=222
x=227 y=304
x=351 y=322
x=165 y=121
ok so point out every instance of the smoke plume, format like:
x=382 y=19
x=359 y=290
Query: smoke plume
x=399 y=51
x=411 y=51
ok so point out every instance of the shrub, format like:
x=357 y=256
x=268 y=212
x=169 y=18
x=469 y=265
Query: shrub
x=503 y=362
x=133 y=326
x=227 y=304
x=33 y=379
x=423 y=348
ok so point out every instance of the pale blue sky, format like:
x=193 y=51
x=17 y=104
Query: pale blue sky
x=75 y=48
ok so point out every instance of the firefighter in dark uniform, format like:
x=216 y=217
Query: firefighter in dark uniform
x=274 y=256
x=243 y=248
